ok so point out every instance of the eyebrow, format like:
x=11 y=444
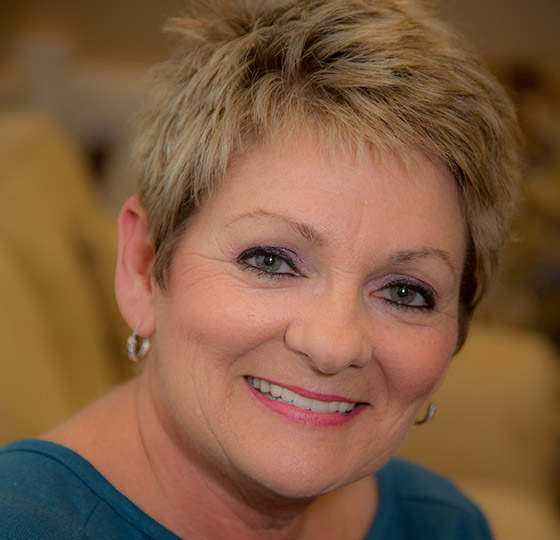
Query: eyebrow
x=401 y=257
x=306 y=231
x=313 y=236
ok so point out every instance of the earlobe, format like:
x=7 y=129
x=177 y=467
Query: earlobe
x=133 y=276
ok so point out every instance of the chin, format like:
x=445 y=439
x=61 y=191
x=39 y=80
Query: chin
x=306 y=477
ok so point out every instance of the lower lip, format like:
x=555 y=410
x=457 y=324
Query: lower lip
x=306 y=417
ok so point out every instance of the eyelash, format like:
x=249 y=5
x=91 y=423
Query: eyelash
x=415 y=287
x=263 y=251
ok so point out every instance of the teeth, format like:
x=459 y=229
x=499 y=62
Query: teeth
x=302 y=402
x=273 y=391
x=319 y=406
x=287 y=395
x=344 y=407
x=333 y=406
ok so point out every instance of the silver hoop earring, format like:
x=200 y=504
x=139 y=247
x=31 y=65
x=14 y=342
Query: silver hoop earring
x=430 y=413
x=132 y=350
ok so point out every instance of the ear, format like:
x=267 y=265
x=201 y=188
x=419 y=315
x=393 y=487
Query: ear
x=134 y=287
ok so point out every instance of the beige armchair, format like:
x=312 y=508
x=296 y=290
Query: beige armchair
x=60 y=331
x=496 y=430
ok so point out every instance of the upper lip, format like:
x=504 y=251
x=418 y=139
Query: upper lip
x=308 y=393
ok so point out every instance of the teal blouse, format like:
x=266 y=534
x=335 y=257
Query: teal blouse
x=49 y=492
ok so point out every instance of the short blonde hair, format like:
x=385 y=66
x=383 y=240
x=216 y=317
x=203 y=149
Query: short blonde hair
x=386 y=73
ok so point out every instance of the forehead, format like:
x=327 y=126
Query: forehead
x=304 y=163
x=367 y=196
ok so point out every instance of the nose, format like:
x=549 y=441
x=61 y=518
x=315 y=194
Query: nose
x=331 y=332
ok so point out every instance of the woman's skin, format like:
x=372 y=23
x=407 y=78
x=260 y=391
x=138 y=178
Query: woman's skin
x=334 y=278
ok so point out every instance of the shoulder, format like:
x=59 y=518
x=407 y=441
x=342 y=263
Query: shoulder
x=49 y=491
x=416 y=483
x=425 y=505
x=39 y=493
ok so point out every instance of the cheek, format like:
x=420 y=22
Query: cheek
x=220 y=317
x=415 y=362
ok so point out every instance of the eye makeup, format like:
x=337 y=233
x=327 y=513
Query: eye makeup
x=409 y=294
x=270 y=261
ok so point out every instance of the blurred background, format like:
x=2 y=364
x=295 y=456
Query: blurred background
x=70 y=79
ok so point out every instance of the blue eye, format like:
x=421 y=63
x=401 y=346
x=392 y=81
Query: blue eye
x=268 y=260
x=409 y=295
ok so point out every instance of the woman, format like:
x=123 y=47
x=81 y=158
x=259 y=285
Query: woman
x=324 y=187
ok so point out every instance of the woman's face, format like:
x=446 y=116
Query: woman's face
x=310 y=312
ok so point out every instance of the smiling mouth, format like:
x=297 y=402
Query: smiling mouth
x=279 y=393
